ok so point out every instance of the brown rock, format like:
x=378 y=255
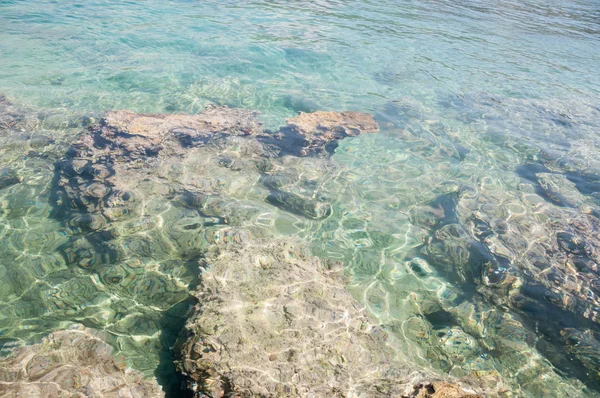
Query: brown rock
x=157 y=127
x=321 y=129
x=330 y=124
x=442 y=390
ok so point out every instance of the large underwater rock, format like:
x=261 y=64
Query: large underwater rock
x=208 y=180
x=145 y=133
x=323 y=130
x=274 y=321
x=213 y=119
x=71 y=363
x=128 y=157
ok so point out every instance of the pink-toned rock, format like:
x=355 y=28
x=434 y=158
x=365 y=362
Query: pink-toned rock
x=331 y=123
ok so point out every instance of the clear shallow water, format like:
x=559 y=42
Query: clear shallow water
x=488 y=156
x=278 y=57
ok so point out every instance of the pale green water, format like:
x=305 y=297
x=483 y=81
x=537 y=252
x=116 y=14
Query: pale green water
x=427 y=215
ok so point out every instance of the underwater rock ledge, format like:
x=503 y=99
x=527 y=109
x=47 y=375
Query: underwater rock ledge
x=96 y=184
x=275 y=321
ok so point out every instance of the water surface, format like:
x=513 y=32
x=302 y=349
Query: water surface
x=469 y=224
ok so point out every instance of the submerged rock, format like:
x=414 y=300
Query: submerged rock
x=557 y=189
x=73 y=363
x=8 y=178
x=138 y=134
x=321 y=131
x=156 y=128
x=584 y=345
x=441 y=390
x=104 y=166
x=9 y=115
x=306 y=134
x=140 y=190
x=332 y=125
x=298 y=205
x=274 y=321
x=144 y=196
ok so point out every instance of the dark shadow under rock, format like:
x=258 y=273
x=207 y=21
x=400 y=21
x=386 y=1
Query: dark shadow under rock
x=9 y=177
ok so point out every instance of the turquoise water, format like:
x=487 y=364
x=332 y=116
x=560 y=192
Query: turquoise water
x=469 y=223
x=278 y=57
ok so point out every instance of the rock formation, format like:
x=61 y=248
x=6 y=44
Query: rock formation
x=9 y=116
x=440 y=390
x=274 y=321
x=140 y=195
x=99 y=181
x=323 y=130
x=73 y=363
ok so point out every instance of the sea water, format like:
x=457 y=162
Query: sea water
x=469 y=224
